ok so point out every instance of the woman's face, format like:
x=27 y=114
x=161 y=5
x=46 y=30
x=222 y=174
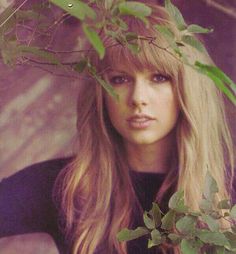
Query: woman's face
x=147 y=109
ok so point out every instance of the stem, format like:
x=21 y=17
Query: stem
x=229 y=11
x=4 y=22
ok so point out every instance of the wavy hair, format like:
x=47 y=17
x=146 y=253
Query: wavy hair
x=95 y=190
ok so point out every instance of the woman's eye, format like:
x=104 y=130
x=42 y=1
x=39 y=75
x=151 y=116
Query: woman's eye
x=160 y=78
x=118 y=80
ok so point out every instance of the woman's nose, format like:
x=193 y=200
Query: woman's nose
x=138 y=93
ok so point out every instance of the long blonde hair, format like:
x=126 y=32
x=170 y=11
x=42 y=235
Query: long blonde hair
x=95 y=190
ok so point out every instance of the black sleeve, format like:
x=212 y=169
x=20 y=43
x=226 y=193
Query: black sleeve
x=26 y=204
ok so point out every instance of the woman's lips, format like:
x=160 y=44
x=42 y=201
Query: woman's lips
x=140 y=121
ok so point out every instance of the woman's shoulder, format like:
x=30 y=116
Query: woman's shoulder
x=26 y=203
x=39 y=171
x=33 y=182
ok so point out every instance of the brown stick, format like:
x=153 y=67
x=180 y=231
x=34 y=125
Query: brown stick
x=229 y=11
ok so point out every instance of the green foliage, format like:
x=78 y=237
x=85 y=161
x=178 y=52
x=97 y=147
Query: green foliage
x=95 y=40
x=168 y=220
x=221 y=80
x=136 y=9
x=188 y=247
x=175 y=15
x=105 y=16
x=156 y=238
x=176 y=202
x=108 y=88
x=195 y=29
x=128 y=235
x=195 y=232
x=76 y=8
x=192 y=41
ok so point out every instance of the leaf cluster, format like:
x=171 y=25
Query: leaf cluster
x=103 y=17
x=194 y=232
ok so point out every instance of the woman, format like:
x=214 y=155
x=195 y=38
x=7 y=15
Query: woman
x=163 y=133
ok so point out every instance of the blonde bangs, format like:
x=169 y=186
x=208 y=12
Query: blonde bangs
x=155 y=52
x=150 y=57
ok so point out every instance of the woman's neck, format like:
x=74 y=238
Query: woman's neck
x=154 y=158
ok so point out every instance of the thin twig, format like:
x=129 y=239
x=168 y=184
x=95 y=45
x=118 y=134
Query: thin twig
x=13 y=13
x=229 y=11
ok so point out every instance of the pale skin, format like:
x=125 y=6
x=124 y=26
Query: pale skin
x=145 y=116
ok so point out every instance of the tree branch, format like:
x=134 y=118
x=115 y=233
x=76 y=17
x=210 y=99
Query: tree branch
x=229 y=11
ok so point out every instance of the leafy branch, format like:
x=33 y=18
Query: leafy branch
x=230 y=11
x=193 y=232
x=94 y=17
x=12 y=50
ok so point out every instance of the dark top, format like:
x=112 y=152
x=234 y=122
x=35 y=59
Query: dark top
x=26 y=204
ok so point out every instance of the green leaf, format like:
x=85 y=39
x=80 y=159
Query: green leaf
x=224 y=204
x=231 y=238
x=134 y=8
x=217 y=80
x=195 y=43
x=212 y=224
x=215 y=238
x=205 y=205
x=210 y=187
x=176 y=202
x=122 y=24
x=198 y=29
x=186 y=225
x=81 y=66
x=155 y=238
x=75 y=8
x=109 y=89
x=218 y=73
x=130 y=36
x=166 y=32
x=187 y=247
x=155 y=212
x=176 y=239
x=220 y=250
x=128 y=235
x=175 y=15
x=134 y=48
x=233 y=212
x=168 y=220
x=149 y=222
x=95 y=40
x=170 y=38
x=40 y=53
